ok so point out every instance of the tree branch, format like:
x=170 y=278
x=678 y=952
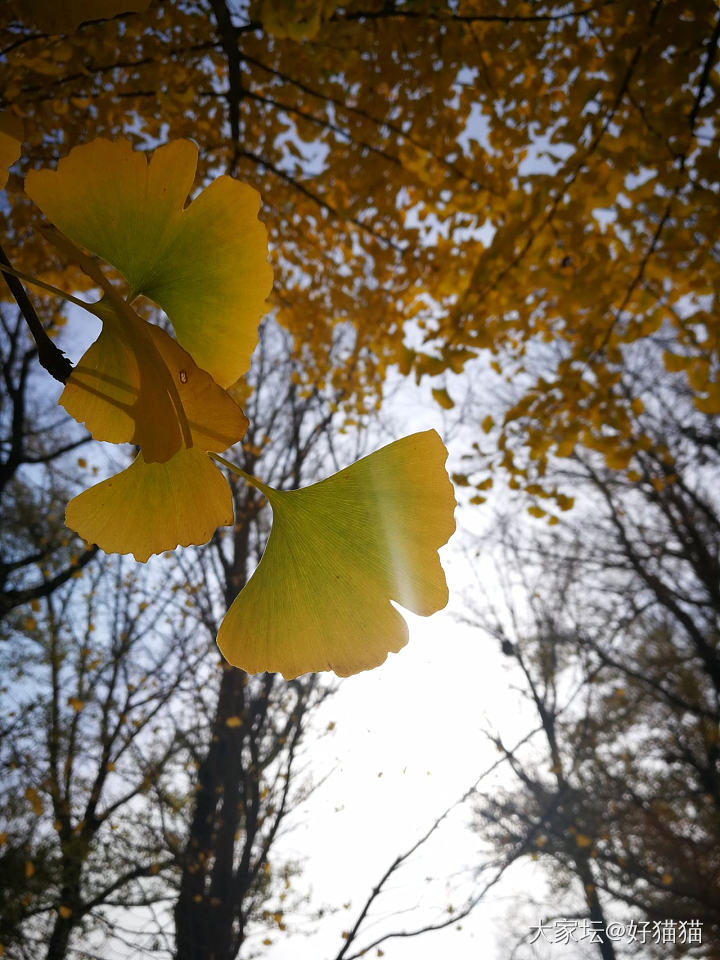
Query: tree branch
x=50 y=355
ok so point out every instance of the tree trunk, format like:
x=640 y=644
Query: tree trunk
x=206 y=907
x=70 y=898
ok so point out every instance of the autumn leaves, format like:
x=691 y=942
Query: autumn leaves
x=339 y=550
x=207 y=267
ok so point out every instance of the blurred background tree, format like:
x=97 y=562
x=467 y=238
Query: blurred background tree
x=612 y=621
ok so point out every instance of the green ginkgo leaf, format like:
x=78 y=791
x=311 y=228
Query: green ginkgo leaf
x=204 y=264
x=338 y=552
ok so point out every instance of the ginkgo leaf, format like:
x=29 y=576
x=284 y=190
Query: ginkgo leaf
x=152 y=507
x=121 y=394
x=136 y=383
x=104 y=388
x=295 y=19
x=35 y=800
x=11 y=134
x=205 y=265
x=53 y=17
x=338 y=552
x=443 y=398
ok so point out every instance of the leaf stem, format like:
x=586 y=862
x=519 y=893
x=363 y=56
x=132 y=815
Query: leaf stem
x=50 y=356
x=248 y=477
x=9 y=272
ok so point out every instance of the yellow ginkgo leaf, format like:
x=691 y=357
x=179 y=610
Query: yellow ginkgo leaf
x=135 y=383
x=618 y=458
x=35 y=800
x=11 y=134
x=205 y=265
x=123 y=391
x=338 y=552
x=295 y=19
x=122 y=394
x=443 y=398
x=152 y=507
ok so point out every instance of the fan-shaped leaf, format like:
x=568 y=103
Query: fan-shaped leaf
x=205 y=265
x=124 y=394
x=152 y=507
x=338 y=552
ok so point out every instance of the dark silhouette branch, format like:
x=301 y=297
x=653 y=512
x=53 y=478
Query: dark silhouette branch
x=50 y=356
x=390 y=12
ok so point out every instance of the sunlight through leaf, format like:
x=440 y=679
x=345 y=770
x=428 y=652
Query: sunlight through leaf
x=338 y=552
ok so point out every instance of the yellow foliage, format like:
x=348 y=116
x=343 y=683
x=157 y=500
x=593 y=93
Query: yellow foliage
x=709 y=402
x=11 y=135
x=618 y=459
x=294 y=19
x=443 y=398
x=35 y=800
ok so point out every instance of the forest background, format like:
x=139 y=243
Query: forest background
x=503 y=214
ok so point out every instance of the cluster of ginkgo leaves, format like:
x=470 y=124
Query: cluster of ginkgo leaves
x=338 y=550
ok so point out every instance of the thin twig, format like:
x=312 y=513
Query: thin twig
x=50 y=355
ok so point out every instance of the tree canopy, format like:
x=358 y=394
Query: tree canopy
x=531 y=180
